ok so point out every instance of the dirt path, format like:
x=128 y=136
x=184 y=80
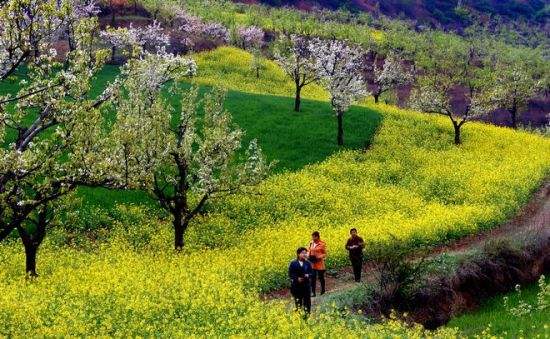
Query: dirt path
x=533 y=216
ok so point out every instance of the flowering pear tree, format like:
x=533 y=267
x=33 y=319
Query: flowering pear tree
x=26 y=28
x=294 y=56
x=447 y=65
x=388 y=76
x=49 y=123
x=337 y=66
x=133 y=41
x=182 y=165
x=252 y=39
x=519 y=78
x=80 y=9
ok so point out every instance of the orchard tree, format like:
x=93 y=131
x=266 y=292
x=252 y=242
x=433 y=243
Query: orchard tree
x=133 y=41
x=337 y=66
x=193 y=28
x=448 y=65
x=182 y=165
x=50 y=125
x=520 y=75
x=216 y=32
x=384 y=76
x=26 y=28
x=252 y=39
x=80 y=9
x=294 y=56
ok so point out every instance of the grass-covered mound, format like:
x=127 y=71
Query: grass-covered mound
x=412 y=183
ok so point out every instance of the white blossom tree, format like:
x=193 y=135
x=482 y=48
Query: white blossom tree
x=80 y=9
x=50 y=125
x=295 y=58
x=337 y=65
x=133 y=41
x=386 y=76
x=182 y=166
x=520 y=76
x=445 y=66
x=26 y=28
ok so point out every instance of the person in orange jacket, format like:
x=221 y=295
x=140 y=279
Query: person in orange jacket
x=317 y=253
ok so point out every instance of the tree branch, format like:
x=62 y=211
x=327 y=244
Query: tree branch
x=15 y=65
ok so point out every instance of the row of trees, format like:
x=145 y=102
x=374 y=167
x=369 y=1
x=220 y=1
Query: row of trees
x=397 y=55
x=57 y=136
x=481 y=73
x=462 y=79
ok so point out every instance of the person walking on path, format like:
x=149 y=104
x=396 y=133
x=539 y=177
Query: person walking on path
x=300 y=272
x=355 y=247
x=317 y=255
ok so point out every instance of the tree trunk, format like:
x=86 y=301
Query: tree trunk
x=340 y=138
x=112 y=13
x=376 y=97
x=31 y=249
x=514 y=115
x=113 y=52
x=179 y=230
x=456 y=126
x=72 y=46
x=297 y=99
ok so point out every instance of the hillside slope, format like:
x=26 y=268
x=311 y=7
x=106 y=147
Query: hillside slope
x=412 y=183
x=448 y=14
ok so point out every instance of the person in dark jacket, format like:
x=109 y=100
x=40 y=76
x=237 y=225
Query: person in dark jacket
x=300 y=272
x=355 y=247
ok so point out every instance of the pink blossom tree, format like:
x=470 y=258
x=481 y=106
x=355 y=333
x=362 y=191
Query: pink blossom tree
x=252 y=39
x=193 y=28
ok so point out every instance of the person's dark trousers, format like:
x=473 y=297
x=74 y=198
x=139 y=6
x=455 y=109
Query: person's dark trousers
x=357 y=264
x=302 y=299
x=318 y=274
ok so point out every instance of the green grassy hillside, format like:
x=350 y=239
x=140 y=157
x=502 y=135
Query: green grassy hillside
x=291 y=139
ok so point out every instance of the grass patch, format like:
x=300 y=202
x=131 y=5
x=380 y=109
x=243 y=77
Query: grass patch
x=493 y=313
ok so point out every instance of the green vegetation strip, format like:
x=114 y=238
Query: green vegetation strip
x=535 y=324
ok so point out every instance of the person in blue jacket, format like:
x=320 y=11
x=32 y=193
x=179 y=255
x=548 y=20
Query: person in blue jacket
x=300 y=273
